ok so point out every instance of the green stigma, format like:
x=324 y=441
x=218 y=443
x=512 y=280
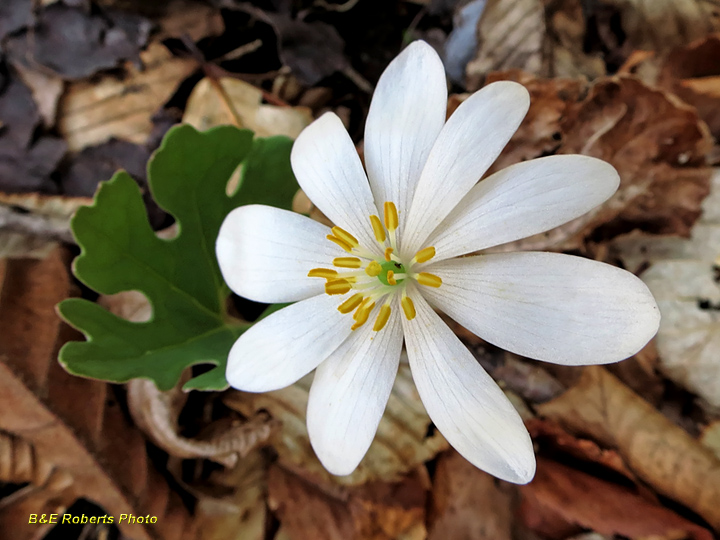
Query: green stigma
x=391 y=266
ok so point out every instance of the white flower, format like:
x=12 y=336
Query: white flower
x=393 y=257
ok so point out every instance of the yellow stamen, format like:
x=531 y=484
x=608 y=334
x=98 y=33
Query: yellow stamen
x=326 y=273
x=351 y=303
x=337 y=286
x=391 y=216
x=388 y=254
x=373 y=269
x=391 y=278
x=362 y=314
x=424 y=255
x=345 y=236
x=342 y=243
x=364 y=303
x=429 y=280
x=408 y=307
x=347 y=262
x=378 y=229
x=382 y=318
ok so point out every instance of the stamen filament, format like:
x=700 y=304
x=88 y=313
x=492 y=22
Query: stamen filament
x=378 y=229
x=427 y=279
x=424 y=255
x=351 y=303
x=325 y=273
x=345 y=236
x=342 y=243
x=347 y=262
x=337 y=286
x=382 y=317
x=408 y=307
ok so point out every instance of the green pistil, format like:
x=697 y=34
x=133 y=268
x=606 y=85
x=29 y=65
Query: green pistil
x=393 y=266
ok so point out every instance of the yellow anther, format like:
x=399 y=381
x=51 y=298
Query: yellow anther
x=351 y=303
x=382 y=318
x=424 y=255
x=345 y=236
x=378 y=229
x=325 y=273
x=337 y=286
x=347 y=262
x=364 y=303
x=429 y=280
x=408 y=307
x=342 y=243
x=362 y=314
x=391 y=278
x=388 y=254
x=391 y=216
x=373 y=269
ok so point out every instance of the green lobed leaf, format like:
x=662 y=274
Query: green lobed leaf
x=188 y=178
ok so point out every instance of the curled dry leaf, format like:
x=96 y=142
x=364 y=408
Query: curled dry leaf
x=91 y=112
x=657 y=143
x=88 y=439
x=711 y=437
x=602 y=506
x=683 y=277
x=309 y=510
x=656 y=450
x=402 y=441
x=157 y=412
x=207 y=108
x=663 y=24
x=536 y=36
x=468 y=503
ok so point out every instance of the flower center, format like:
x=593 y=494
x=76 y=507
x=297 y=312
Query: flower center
x=374 y=279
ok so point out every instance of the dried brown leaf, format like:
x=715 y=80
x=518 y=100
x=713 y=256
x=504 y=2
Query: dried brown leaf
x=605 y=507
x=91 y=112
x=402 y=441
x=657 y=143
x=537 y=36
x=468 y=503
x=314 y=510
x=657 y=451
x=88 y=439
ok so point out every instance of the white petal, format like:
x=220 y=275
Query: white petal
x=329 y=171
x=463 y=400
x=349 y=394
x=468 y=144
x=548 y=306
x=265 y=254
x=287 y=345
x=524 y=199
x=406 y=115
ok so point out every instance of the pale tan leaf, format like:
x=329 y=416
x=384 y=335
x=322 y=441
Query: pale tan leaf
x=207 y=108
x=711 y=437
x=402 y=441
x=656 y=450
x=87 y=440
x=91 y=112
x=683 y=278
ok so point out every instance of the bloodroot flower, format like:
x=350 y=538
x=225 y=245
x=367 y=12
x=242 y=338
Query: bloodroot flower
x=397 y=252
